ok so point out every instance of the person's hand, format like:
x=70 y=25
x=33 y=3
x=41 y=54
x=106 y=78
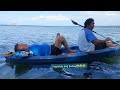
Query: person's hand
x=108 y=39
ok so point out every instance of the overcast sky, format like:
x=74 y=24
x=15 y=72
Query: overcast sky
x=59 y=18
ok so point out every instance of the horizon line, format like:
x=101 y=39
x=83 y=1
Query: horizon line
x=51 y=25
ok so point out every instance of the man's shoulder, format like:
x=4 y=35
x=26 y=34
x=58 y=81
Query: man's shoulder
x=86 y=29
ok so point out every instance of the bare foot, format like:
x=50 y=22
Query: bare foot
x=72 y=51
x=62 y=54
x=117 y=44
x=113 y=45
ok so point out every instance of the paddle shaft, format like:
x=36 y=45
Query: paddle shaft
x=93 y=31
x=99 y=34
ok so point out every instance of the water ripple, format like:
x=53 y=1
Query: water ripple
x=11 y=35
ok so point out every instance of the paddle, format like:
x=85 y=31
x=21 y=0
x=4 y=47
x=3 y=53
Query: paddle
x=92 y=31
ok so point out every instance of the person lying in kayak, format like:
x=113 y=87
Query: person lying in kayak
x=87 y=41
x=45 y=49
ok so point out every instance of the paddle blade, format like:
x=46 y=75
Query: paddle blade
x=74 y=22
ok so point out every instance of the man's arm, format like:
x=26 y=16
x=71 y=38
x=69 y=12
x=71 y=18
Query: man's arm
x=92 y=38
x=98 y=41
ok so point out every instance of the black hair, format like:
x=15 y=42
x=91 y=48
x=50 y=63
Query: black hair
x=16 y=48
x=88 y=21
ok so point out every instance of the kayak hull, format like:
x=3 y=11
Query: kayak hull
x=79 y=57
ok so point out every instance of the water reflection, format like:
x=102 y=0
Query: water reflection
x=72 y=72
x=21 y=69
x=95 y=70
x=63 y=72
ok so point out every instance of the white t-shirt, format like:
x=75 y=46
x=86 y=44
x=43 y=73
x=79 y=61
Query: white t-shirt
x=83 y=44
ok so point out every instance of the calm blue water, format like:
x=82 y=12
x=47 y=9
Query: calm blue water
x=10 y=35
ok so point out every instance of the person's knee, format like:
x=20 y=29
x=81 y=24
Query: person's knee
x=59 y=39
x=58 y=34
x=62 y=38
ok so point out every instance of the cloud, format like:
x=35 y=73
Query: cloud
x=51 y=18
x=107 y=13
x=20 y=20
x=94 y=12
x=110 y=13
x=38 y=17
x=89 y=12
x=57 y=18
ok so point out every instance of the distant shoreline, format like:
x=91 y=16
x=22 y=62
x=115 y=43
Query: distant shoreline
x=58 y=26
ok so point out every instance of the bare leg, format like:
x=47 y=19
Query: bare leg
x=60 y=40
x=65 y=44
x=111 y=45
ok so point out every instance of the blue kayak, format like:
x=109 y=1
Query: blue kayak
x=78 y=57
